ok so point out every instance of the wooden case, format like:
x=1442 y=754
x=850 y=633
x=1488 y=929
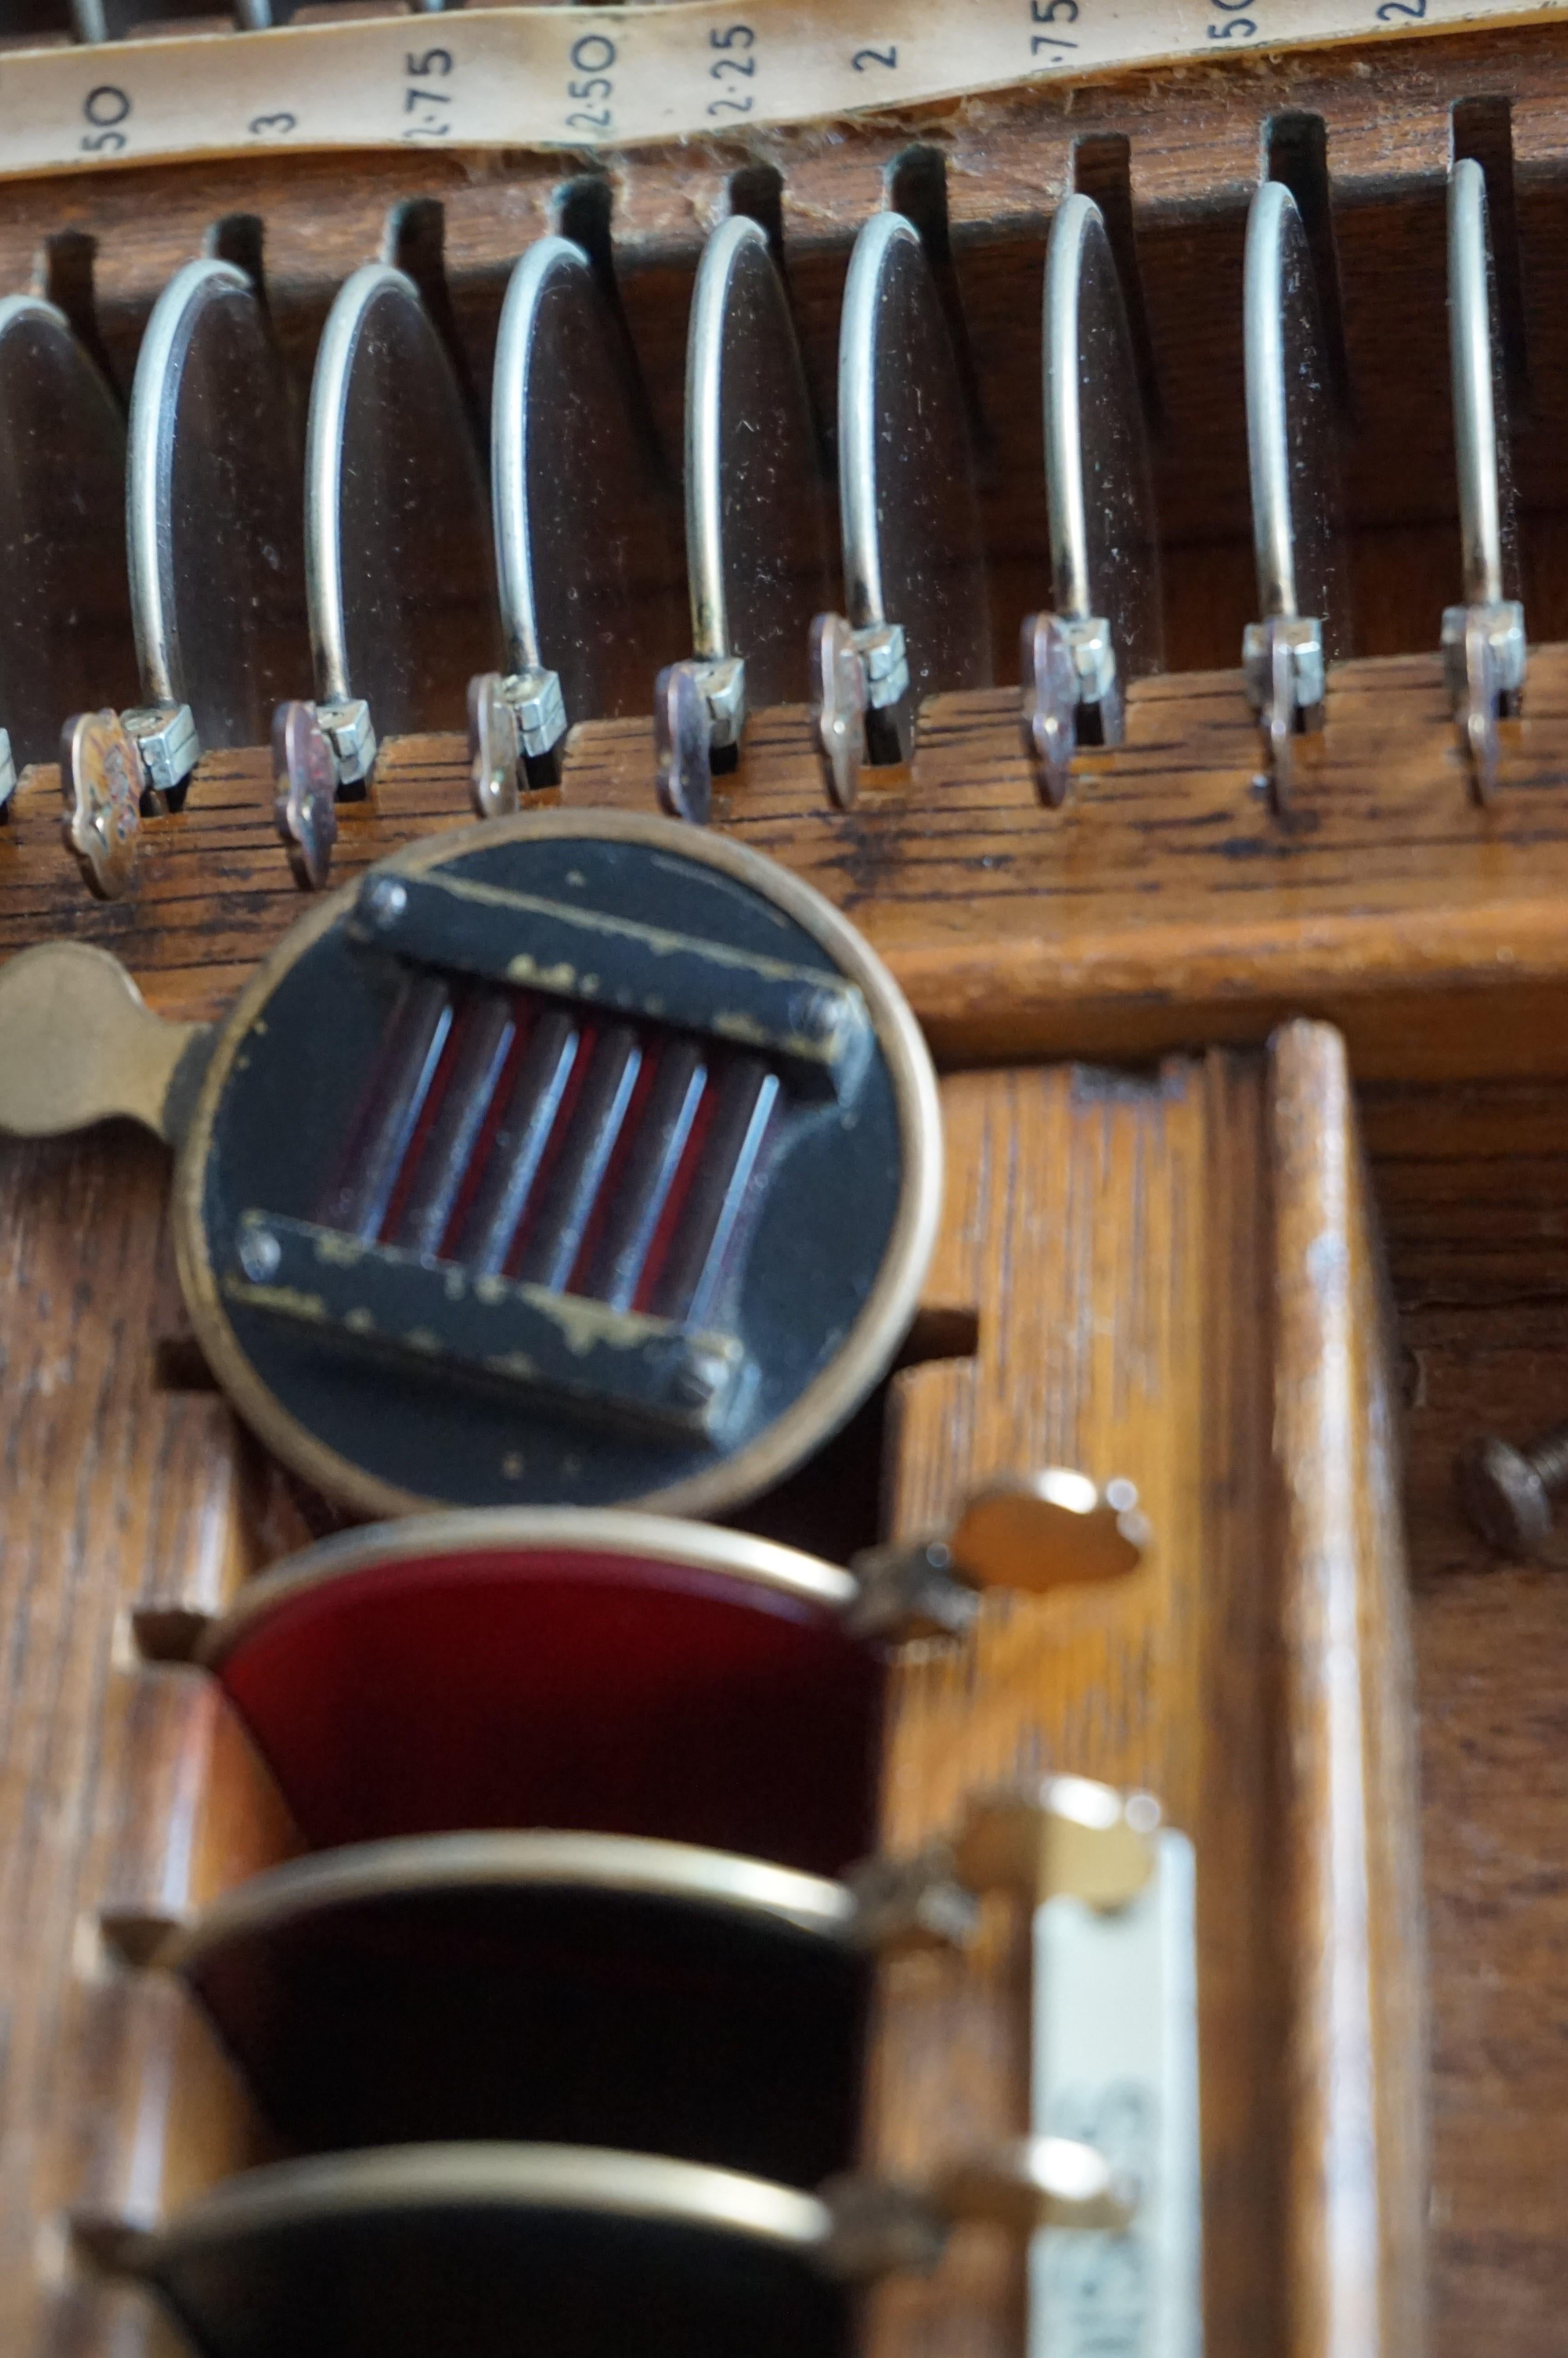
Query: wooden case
x=1256 y=1134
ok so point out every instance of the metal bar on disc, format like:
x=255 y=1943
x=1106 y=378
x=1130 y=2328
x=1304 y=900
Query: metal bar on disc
x=440 y=1320
x=811 y=1019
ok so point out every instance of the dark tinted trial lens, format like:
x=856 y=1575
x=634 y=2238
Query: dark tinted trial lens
x=1323 y=586
x=548 y=2013
x=1119 y=501
x=774 y=518
x=418 y=582
x=66 y=640
x=492 y=2281
x=570 y=1690
x=932 y=567
x=604 y=533
x=231 y=476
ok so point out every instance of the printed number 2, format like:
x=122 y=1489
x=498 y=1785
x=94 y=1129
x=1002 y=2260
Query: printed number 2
x=1392 y=10
x=864 y=57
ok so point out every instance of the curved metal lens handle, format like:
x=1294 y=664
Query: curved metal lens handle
x=1063 y=420
x=1475 y=413
x=149 y=523
x=1268 y=424
x=1282 y=654
x=509 y=453
x=705 y=433
x=858 y=415
x=323 y=468
x=1484 y=649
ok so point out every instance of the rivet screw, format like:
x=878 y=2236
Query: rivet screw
x=1508 y=1492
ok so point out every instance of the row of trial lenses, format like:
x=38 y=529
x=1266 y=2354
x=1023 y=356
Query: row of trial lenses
x=1104 y=629
x=401 y=586
x=1298 y=523
x=566 y=588
x=536 y=2040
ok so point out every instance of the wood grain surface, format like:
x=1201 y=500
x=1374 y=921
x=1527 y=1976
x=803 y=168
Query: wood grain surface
x=1176 y=1282
x=106 y=1479
x=1126 y=1230
x=1472 y=1183
x=1164 y=906
x=113 y=1491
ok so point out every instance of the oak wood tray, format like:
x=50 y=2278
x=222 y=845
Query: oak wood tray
x=1275 y=1269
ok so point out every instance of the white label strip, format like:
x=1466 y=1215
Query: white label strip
x=1116 y=2064
x=584 y=78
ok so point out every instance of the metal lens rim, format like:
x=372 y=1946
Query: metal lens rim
x=1475 y=411
x=515 y=355
x=324 y=467
x=396 y=2180
x=149 y=527
x=857 y=412
x=705 y=350
x=1076 y=219
x=598 y=1532
x=419 y=1866
x=1267 y=425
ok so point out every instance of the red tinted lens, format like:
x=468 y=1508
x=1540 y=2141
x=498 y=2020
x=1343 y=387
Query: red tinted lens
x=603 y=1693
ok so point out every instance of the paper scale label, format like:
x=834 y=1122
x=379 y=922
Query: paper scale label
x=1116 y=2064
x=612 y=77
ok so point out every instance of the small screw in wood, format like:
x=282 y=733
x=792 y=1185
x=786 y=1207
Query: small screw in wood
x=1508 y=1492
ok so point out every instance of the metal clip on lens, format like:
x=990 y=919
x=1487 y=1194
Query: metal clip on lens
x=1483 y=640
x=386 y=565
x=1104 y=560
x=755 y=533
x=913 y=566
x=1290 y=435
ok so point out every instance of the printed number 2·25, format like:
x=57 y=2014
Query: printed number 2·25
x=736 y=41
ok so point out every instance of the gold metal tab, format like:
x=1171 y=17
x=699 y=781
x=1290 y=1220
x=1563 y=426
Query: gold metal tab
x=1066 y=1836
x=1028 y=1533
x=82 y=1046
x=1069 y=1835
x=1040 y=1531
x=1042 y=2181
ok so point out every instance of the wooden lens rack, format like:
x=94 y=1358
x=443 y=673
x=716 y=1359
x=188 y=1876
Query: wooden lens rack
x=1200 y=1059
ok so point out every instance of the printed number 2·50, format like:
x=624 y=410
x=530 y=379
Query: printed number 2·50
x=594 y=57
x=736 y=65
